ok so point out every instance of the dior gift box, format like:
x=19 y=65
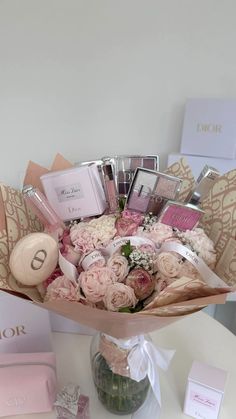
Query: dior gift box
x=27 y=365
x=209 y=128
x=27 y=383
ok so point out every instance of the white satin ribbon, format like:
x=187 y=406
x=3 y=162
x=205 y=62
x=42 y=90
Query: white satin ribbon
x=134 y=241
x=68 y=269
x=144 y=359
x=207 y=274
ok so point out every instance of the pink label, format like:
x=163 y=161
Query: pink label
x=183 y=218
x=203 y=400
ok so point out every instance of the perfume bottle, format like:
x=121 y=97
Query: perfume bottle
x=109 y=186
x=41 y=207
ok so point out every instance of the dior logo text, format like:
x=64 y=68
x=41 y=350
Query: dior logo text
x=38 y=259
x=16 y=401
x=209 y=128
x=10 y=332
x=73 y=210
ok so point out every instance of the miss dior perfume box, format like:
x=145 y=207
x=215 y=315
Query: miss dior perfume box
x=209 y=128
x=75 y=193
x=205 y=390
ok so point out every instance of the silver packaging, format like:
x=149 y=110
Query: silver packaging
x=203 y=184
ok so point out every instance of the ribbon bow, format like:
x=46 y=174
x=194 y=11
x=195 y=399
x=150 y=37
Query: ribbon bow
x=144 y=359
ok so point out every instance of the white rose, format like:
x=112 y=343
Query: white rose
x=119 y=295
x=119 y=265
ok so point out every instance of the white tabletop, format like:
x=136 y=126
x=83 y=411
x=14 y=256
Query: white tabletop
x=197 y=337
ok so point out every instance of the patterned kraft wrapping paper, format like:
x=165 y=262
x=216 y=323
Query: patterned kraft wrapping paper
x=176 y=301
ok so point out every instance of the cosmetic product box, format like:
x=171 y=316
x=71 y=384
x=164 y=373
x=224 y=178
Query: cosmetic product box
x=75 y=193
x=209 y=128
x=28 y=383
x=197 y=162
x=150 y=190
x=205 y=390
x=181 y=216
x=24 y=327
x=124 y=167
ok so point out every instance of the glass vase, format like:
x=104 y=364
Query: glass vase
x=117 y=392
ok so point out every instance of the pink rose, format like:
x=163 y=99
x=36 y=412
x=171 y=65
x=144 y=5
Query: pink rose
x=95 y=281
x=142 y=283
x=126 y=227
x=201 y=244
x=146 y=248
x=119 y=265
x=168 y=264
x=158 y=232
x=162 y=282
x=66 y=237
x=136 y=217
x=188 y=270
x=70 y=254
x=62 y=288
x=82 y=239
x=119 y=295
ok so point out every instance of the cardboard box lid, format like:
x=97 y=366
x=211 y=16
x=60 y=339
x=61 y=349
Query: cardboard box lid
x=208 y=375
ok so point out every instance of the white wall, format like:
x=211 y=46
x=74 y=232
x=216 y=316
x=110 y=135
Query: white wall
x=95 y=77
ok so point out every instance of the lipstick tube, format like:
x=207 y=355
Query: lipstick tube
x=109 y=186
x=41 y=207
x=203 y=185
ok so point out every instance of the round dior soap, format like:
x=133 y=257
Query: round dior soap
x=34 y=258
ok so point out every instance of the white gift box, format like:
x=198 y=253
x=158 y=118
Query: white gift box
x=205 y=390
x=209 y=128
x=198 y=162
x=23 y=326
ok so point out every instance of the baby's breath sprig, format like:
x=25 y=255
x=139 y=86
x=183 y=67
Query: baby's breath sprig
x=140 y=259
x=149 y=220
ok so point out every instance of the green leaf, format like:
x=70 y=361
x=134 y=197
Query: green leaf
x=124 y=310
x=122 y=203
x=126 y=249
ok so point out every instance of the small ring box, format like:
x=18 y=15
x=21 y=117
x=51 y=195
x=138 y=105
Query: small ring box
x=205 y=390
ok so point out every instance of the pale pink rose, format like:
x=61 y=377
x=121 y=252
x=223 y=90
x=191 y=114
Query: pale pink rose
x=62 y=288
x=119 y=265
x=168 y=264
x=119 y=295
x=158 y=232
x=95 y=281
x=188 y=270
x=126 y=227
x=82 y=239
x=201 y=244
x=142 y=282
x=70 y=254
x=162 y=282
x=94 y=234
x=146 y=248
x=66 y=237
x=136 y=217
x=103 y=230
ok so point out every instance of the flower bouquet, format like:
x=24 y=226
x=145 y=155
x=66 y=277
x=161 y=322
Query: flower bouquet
x=124 y=274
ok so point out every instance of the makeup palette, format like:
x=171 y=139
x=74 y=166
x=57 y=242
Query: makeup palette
x=181 y=216
x=150 y=190
x=125 y=167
